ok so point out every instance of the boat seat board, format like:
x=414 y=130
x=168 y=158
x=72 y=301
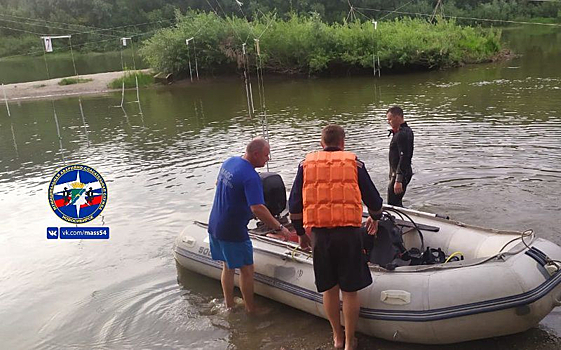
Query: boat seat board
x=422 y=227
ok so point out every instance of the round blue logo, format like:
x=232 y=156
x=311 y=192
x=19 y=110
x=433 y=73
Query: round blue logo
x=77 y=194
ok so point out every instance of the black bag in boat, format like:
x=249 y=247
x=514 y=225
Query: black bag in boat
x=386 y=248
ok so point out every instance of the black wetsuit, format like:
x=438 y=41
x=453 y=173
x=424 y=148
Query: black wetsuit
x=401 y=152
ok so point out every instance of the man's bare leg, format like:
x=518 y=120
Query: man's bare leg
x=331 y=307
x=351 y=309
x=246 y=285
x=227 y=280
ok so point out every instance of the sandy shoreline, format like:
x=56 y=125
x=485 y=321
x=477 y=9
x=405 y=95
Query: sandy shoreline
x=40 y=89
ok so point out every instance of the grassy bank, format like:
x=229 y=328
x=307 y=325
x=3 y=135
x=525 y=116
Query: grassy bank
x=307 y=45
x=129 y=78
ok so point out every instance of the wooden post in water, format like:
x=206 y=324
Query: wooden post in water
x=6 y=100
x=137 y=93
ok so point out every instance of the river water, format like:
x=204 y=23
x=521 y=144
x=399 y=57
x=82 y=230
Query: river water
x=487 y=152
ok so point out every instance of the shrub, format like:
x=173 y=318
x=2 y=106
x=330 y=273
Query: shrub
x=307 y=45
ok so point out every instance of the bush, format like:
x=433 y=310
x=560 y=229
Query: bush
x=129 y=78
x=307 y=45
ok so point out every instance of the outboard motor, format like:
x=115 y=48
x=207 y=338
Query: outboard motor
x=274 y=192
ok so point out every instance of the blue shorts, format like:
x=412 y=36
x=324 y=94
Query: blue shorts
x=234 y=254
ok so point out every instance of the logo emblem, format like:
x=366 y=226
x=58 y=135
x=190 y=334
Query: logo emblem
x=52 y=232
x=77 y=194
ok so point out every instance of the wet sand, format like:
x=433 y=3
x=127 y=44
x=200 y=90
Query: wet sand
x=40 y=89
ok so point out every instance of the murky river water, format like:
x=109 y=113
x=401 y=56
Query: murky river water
x=488 y=150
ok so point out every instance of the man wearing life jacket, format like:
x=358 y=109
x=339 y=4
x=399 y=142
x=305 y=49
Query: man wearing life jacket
x=400 y=154
x=327 y=196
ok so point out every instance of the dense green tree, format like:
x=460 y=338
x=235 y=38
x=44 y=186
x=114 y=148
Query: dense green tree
x=22 y=20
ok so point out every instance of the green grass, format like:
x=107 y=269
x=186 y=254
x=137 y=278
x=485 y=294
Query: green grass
x=129 y=78
x=70 y=81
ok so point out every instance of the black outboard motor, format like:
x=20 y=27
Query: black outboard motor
x=274 y=192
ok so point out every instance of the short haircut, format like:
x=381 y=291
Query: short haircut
x=332 y=135
x=395 y=110
x=256 y=145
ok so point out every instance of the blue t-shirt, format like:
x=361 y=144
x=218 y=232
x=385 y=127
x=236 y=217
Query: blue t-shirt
x=237 y=188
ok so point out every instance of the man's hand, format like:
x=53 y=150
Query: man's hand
x=371 y=226
x=283 y=234
x=305 y=243
x=398 y=188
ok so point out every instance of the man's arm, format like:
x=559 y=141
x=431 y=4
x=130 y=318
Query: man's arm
x=369 y=192
x=295 y=202
x=403 y=146
x=254 y=196
x=263 y=214
x=370 y=197
x=296 y=208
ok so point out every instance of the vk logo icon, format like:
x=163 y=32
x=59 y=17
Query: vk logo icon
x=52 y=232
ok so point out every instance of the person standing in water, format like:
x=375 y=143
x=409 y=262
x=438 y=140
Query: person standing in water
x=238 y=197
x=326 y=197
x=400 y=155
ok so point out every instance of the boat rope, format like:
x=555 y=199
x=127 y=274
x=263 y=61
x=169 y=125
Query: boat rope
x=548 y=260
x=453 y=255
x=413 y=222
x=499 y=255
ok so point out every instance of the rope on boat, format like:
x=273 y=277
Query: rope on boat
x=453 y=255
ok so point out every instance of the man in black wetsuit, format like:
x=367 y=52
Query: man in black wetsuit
x=401 y=152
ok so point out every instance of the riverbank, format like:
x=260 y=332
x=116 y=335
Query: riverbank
x=41 y=89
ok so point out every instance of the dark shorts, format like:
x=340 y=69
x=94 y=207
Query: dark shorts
x=234 y=254
x=339 y=259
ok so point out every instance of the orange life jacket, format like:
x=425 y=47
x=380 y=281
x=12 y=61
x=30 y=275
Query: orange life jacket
x=330 y=192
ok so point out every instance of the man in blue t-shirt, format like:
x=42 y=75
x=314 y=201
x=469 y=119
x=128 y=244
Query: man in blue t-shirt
x=238 y=197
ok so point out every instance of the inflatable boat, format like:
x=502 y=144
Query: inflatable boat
x=436 y=280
